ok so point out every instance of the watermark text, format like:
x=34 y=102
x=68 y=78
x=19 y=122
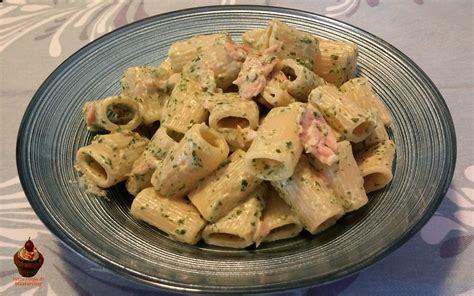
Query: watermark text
x=29 y=281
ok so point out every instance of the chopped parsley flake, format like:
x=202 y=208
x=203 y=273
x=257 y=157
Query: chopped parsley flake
x=196 y=160
x=180 y=231
x=243 y=185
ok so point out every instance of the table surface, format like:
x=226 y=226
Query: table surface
x=37 y=35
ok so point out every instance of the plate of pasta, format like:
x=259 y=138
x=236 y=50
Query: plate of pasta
x=277 y=146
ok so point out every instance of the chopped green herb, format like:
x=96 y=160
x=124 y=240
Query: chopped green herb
x=197 y=162
x=180 y=231
x=225 y=163
x=243 y=185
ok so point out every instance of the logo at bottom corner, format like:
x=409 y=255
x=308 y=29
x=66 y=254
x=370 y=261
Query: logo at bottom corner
x=28 y=261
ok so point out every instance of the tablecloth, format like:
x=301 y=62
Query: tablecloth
x=37 y=35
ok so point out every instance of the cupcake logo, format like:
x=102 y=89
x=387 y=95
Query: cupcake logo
x=28 y=259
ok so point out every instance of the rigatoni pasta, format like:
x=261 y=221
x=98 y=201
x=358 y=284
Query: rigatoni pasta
x=182 y=52
x=216 y=51
x=144 y=167
x=293 y=43
x=375 y=164
x=237 y=228
x=342 y=113
x=252 y=143
x=148 y=87
x=301 y=80
x=276 y=149
x=220 y=192
x=109 y=158
x=336 y=61
x=361 y=92
x=378 y=135
x=314 y=203
x=174 y=216
x=197 y=155
x=344 y=178
x=275 y=93
x=233 y=117
x=197 y=70
x=278 y=221
x=256 y=39
x=183 y=108
x=114 y=114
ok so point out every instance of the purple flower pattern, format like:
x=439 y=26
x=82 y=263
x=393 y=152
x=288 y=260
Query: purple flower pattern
x=460 y=222
x=94 y=17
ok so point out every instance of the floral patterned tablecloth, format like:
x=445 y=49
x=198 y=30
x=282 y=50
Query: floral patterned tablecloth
x=37 y=35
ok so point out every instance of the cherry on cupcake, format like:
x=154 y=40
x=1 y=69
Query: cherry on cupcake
x=29 y=246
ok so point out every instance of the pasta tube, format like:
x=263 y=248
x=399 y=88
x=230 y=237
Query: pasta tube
x=183 y=109
x=140 y=177
x=293 y=44
x=143 y=168
x=225 y=188
x=276 y=148
x=276 y=93
x=198 y=71
x=301 y=80
x=166 y=65
x=196 y=156
x=336 y=61
x=147 y=86
x=342 y=113
x=256 y=39
x=218 y=53
x=361 y=92
x=182 y=52
x=315 y=204
x=378 y=135
x=237 y=228
x=116 y=113
x=234 y=118
x=344 y=178
x=375 y=164
x=338 y=135
x=176 y=217
x=109 y=158
x=277 y=221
